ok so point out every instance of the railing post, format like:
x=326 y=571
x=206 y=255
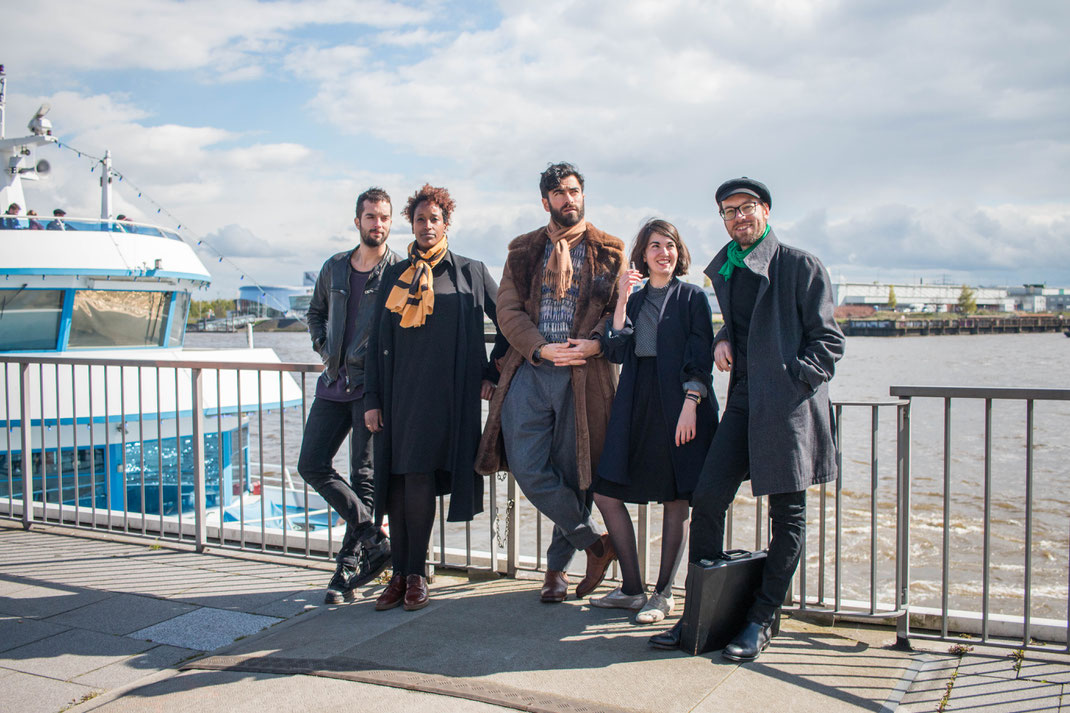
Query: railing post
x=197 y=415
x=27 y=447
x=512 y=527
x=902 y=627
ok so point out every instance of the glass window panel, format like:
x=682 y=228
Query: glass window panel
x=29 y=319
x=178 y=318
x=113 y=318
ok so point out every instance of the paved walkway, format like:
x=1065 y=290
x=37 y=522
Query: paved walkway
x=88 y=623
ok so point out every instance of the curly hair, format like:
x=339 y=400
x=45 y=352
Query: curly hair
x=438 y=196
x=667 y=230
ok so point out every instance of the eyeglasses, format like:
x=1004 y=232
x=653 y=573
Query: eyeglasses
x=746 y=209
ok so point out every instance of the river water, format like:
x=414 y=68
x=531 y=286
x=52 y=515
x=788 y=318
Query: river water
x=871 y=365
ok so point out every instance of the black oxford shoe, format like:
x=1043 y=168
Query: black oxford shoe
x=668 y=639
x=748 y=643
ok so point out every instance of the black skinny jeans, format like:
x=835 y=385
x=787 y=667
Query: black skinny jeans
x=328 y=424
x=727 y=465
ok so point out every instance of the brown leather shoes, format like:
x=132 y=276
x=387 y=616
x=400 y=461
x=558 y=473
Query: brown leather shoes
x=596 y=567
x=416 y=592
x=554 y=587
x=392 y=595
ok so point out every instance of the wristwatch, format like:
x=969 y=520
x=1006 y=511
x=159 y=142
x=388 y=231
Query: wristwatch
x=536 y=356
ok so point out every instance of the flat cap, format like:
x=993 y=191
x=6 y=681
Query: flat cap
x=744 y=185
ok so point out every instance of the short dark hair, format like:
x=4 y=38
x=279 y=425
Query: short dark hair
x=438 y=196
x=667 y=229
x=555 y=173
x=375 y=194
x=59 y=212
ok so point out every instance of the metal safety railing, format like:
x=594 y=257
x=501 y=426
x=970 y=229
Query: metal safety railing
x=969 y=480
x=205 y=452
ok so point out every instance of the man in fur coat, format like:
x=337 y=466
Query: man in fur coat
x=549 y=414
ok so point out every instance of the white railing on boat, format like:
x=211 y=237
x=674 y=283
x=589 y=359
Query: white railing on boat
x=21 y=222
x=860 y=558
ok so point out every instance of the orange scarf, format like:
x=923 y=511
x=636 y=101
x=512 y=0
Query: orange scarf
x=558 y=274
x=413 y=295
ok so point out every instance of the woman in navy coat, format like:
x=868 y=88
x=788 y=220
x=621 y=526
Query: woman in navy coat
x=664 y=413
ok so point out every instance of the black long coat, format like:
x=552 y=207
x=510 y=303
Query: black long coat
x=793 y=345
x=684 y=353
x=478 y=293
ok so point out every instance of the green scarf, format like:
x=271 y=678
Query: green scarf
x=736 y=255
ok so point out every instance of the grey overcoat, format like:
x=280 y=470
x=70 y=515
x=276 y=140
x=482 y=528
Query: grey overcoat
x=792 y=349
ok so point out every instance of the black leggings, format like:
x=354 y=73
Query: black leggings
x=410 y=504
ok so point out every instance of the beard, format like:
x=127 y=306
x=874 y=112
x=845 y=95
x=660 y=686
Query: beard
x=567 y=220
x=373 y=241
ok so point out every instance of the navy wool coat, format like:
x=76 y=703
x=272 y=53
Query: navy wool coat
x=792 y=349
x=479 y=296
x=684 y=353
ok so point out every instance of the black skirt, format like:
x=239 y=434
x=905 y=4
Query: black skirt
x=651 y=477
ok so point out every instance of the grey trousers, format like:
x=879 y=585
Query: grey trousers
x=539 y=429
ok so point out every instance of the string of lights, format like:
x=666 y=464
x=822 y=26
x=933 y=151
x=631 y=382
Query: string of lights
x=181 y=228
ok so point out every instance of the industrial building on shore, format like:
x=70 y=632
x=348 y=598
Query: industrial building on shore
x=905 y=297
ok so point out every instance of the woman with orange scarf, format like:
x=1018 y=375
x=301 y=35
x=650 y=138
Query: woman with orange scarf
x=427 y=370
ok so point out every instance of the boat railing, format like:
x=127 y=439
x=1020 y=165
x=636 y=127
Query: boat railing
x=44 y=222
x=155 y=448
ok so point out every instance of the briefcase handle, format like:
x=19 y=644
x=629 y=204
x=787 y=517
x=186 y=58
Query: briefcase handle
x=733 y=555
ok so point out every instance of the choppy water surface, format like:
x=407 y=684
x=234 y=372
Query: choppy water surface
x=870 y=367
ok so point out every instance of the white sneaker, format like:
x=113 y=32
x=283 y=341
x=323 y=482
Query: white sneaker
x=619 y=600
x=657 y=608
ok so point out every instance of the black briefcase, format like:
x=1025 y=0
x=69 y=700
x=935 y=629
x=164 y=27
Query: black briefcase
x=719 y=593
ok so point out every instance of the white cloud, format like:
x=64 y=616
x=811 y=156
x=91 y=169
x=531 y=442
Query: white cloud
x=237 y=241
x=909 y=136
x=167 y=35
x=1008 y=243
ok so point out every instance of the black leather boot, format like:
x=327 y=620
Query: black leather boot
x=748 y=643
x=668 y=639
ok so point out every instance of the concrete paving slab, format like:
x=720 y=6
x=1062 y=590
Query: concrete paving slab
x=999 y=664
x=119 y=576
x=228 y=692
x=500 y=632
x=238 y=593
x=16 y=631
x=122 y=614
x=26 y=693
x=205 y=629
x=299 y=603
x=154 y=580
x=930 y=684
x=42 y=601
x=1045 y=671
x=808 y=671
x=9 y=584
x=71 y=653
x=322 y=636
x=996 y=695
x=135 y=667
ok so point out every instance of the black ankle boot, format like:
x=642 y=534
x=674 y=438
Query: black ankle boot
x=668 y=639
x=748 y=643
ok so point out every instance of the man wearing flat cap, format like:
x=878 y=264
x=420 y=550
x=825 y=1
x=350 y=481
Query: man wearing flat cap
x=780 y=343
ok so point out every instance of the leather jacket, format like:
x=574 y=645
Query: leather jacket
x=327 y=317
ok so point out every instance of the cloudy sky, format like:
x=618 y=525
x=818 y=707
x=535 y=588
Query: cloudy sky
x=901 y=140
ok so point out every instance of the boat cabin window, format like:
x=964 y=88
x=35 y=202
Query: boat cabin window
x=116 y=318
x=29 y=319
x=178 y=318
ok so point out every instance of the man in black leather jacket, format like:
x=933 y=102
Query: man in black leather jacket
x=339 y=319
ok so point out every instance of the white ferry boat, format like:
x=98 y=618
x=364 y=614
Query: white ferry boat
x=116 y=438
